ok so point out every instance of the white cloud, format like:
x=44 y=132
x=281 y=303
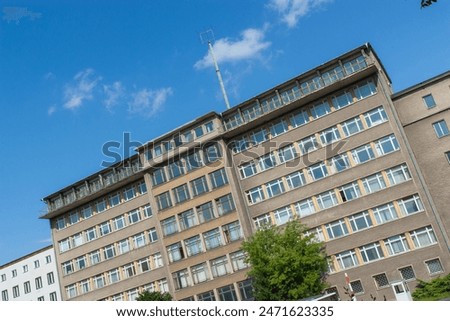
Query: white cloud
x=51 y=110
x=147 y=102
x=249 y=46
x=113 y=93
x=292 y=10
x=76 y=94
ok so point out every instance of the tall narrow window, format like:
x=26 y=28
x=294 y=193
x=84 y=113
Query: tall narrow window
x=441 y=128
x=429 y=101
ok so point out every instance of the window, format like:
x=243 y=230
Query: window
x=67 y=267
x=423 y=237
x=38 y=282
x=80 y=262
x=365 y=90
x=134 y=216
x=99 y=281
x=207 y=296
x=396 y=244
x=385 y=213
x=282 y=215
x=212 y=153
x=200 y=273
x=360 y=221
x=299 y=118
x=381 y=280
x=354 y=65
x=375 y=116
x=295 y=180
x=371 y=252
x=218 y=178
x=60 y=223
x=109 y=251
x=152 y=235
x=332 y=75
x=164 y=200
x=147 y=211
x=357 y=287
x=373 y=183
x=77 y=240
x=86 y=212
x=340 y=163
x=318 y=171
x=114 y=199
x=25 y=268
x=267 y=162
x=144 y=265
x=175 y=169
x=139 y=240
x=71 y=291
x=105 y=228
x=398 y=174
x=118 y=223
x=248 y=170
x=3 y=277
x=252 y=112
x=205 y=212
x=94 y=257
x=227 y=293
x=193 y=161
x=225 y=204
x=308 y=144
x=53 y=296
x=158 y=176
x=240 y=144
x=113 y=276
x=259 y=136
x=320 y=109
x=157 y=260
x=305 y=207
x=410 y=205
x=362 y=154
x=175 y=252
x=329 y=136
x=64 y=245
x=255 y=195
x=5 y=295
x=232 y=232
x=441 y=128
x=275 y=188
x=278 y=128
x=75 y=217
x=407 y=273
x=270 y=103
x=327 y=199
x=387 y=145
x=198 y=131
x=349 y=192
x=287 y=153
x=434 y=266
x=209 y=126
x=347 y=259
x=193 y=245
x=199 y=186
x=187 y=219
x=447 y=155
x=169 y=226
x=263 y=220
x=16 y=291
x=352 y=126
x=142 y=188
x=181 y=193
x=238 y=260
x=429 y=101
x=124 y=246
x=219 y=266
x=100 y=206
x=212 y=239
x=336 y=229
x=187 y=136
x=342 y=100
x=26 y=288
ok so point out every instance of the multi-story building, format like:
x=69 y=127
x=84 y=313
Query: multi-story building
x=33 y=277
x=327 y=147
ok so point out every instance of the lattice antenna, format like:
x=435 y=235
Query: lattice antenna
x=208 y=37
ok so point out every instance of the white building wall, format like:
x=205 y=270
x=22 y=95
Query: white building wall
x=33 y=277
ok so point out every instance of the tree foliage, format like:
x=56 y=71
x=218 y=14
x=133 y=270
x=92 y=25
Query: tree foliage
x=436 y=289
x=285 y=263
x=154 y=296
x=426 y=3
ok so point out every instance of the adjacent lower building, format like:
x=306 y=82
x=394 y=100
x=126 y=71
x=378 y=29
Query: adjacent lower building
x=33 y=277
x=331 y=147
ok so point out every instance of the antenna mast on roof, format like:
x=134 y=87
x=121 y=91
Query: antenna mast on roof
x=208 y=37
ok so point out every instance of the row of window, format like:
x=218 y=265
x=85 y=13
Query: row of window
x=388 y=247
x=132 y=294
x=194 y=188
x=179 y=139
x=111 y=200
x=306 y=145
x=334 y=197
x=186 y=164
x=204 y=242
x=292 y=93
x=104 y=228
x=321 y=170
x=115 y=275
x=302 y=117
x=112 y=250
x=27 y=288
x=36 y=264
x=198 y=215
x=208 y=270
x=227 y=293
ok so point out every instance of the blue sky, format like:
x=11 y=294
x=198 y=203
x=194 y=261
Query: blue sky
x=77 y=74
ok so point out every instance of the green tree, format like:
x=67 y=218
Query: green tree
x=154 y=296
x=426 y=3
x=285 y=263
x=436 y=289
